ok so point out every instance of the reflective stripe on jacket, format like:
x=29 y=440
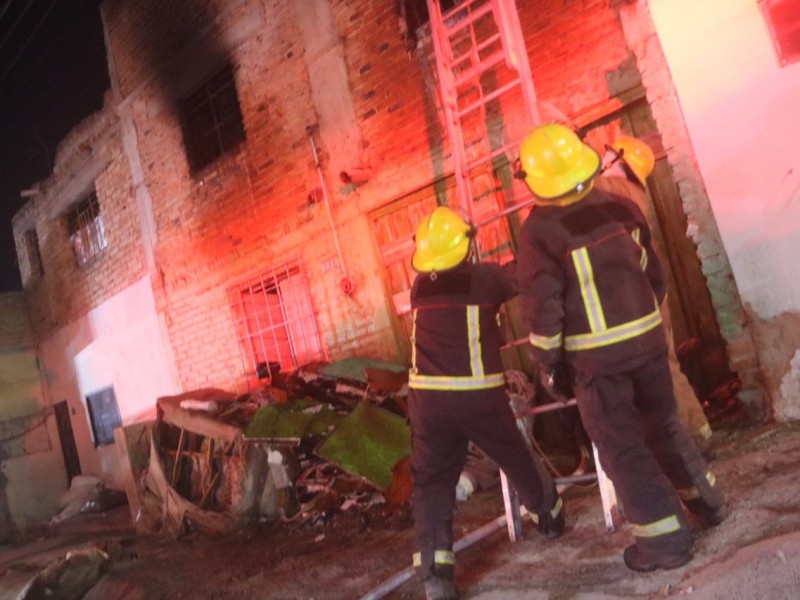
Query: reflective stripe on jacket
x=455 y=338
x=591 y=284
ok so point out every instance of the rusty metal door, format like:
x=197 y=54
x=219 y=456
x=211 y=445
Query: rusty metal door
x=694 y=321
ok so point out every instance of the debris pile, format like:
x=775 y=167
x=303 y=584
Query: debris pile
x=324 y=438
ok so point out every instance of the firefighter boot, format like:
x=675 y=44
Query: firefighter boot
x=636 y=560
x=550 y=523
x=710 y=516
x=438 y=588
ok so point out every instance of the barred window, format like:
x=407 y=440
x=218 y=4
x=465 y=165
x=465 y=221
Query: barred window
x=34 y=253
x=87 y=234
x=211 y=119
x=275 y=321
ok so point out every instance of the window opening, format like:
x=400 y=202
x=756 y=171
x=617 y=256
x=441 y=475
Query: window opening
x=783 y=20
x=87 y=234
x=103 y=415
x=211 y=119
x=34 y=253
x=275 y=322
x=415 y=14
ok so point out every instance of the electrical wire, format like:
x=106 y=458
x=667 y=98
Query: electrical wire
x=25 y=44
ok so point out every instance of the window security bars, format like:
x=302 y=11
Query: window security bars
x=211 y=120
x=87 y=234
x=275 y=322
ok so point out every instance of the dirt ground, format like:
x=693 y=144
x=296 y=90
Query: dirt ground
x=754 y=554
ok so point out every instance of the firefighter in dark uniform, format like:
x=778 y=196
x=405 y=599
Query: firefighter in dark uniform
x=457 y=394
x=629 y=162
x=591 y=287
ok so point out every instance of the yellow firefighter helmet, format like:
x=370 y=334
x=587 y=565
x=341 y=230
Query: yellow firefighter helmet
x=636 y=155
x=442 y=241
x=556 y=163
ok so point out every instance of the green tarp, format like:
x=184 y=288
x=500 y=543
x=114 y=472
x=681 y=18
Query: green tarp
x=368 y=442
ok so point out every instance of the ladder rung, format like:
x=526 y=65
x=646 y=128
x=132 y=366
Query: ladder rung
x=490 y=157
x=465 y=22
x=481 y=67
x=499 y=91
x=474 y=51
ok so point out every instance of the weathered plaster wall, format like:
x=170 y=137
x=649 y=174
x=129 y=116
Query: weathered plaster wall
x=31 y=469
x=117 y=343
x=740 y=109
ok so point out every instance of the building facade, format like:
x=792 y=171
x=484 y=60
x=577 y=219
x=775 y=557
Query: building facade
x=245 y=201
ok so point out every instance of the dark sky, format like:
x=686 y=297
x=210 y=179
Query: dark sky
x=53 y=74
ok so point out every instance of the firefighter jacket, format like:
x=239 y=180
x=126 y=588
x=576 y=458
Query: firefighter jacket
x=455 y=337
x=591 y=284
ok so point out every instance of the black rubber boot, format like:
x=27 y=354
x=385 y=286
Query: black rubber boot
x=636 y=561
x=551 y=523
x=711 y=517
x=438 y=588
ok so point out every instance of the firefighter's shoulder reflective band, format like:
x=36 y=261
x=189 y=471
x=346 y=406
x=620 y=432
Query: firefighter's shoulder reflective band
x=705 y=431
x=444 y=557
x=711 y=479
x=614 y=335
x=416 y=559
x=545 y=343
x=432 y=382
x=665 y=526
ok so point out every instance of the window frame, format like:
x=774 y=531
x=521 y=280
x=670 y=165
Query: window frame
x=86 y=230
x=211 y=119
x=780 y=33
x=274 y=332
x=34 y=251
x=102 y=430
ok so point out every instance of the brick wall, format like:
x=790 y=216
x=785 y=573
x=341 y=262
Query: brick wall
x=91 y=156
x=250 y=210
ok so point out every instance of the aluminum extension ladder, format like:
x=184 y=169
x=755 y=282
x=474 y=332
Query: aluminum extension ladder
x=482 y=65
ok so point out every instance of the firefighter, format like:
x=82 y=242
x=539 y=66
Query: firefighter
x=457 y=393
x=591 y=287
x=629 y=163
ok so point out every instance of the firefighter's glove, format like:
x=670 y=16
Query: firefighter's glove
x=555 y=381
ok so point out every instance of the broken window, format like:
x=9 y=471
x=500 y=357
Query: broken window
x=103 y=415
x=87 y=235
x=783 y=19
x=34 y=253
x=211 y=119
x=275 y=322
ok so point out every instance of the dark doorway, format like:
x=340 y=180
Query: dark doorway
x=67 y=438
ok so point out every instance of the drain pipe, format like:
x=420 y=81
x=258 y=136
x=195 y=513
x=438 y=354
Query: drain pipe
x=347 y=284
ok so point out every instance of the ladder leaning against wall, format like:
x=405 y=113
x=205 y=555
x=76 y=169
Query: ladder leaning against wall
x=483 y=73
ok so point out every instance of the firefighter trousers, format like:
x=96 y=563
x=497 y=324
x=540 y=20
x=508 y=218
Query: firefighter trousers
x=442 y=425
x=631 y=418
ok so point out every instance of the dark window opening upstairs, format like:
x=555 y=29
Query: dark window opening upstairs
x=211 y=119
x=34 y=253
x=415 y=14
x=87 y=234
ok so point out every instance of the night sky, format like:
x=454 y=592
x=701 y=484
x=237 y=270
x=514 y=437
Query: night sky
x=53 y=74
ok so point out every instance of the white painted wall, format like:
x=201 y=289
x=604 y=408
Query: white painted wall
x=118 y=343
x=742 y=111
